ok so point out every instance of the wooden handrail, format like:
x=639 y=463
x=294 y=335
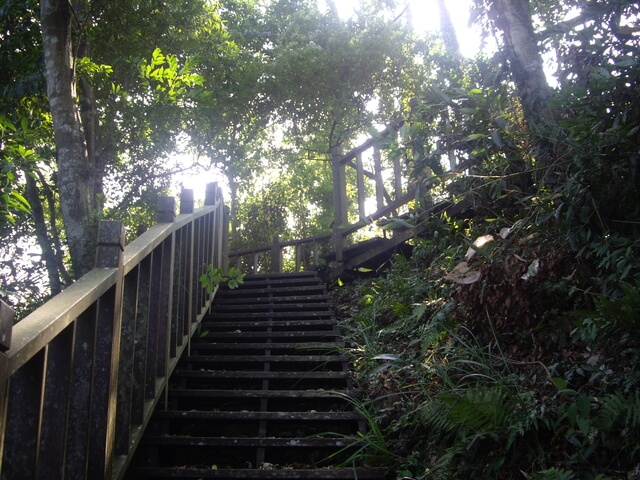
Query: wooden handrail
x=273 y=253
x=84 y=372
x=344 y=231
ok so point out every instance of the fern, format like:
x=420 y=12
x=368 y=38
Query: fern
x=480 y=409
x=557 y=474
x=618 y=409
x=434 y=414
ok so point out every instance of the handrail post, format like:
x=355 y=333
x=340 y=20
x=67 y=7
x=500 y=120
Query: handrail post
x=186 y=257
x=360 y=186
x=377 y=171
x=109 y=254
x=211 y=193
x=166 y=214
x=339 y=202
x=225 y=238
x=6 y=326
x=276 y=255
x=166 y=209
x=186 y=200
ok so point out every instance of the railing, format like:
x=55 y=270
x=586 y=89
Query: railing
x=308 y=252
x=84 y=372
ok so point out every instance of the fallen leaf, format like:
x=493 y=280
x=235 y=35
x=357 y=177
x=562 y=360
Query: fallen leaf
x=479 y=243
x=532 y=271
x=463 y=274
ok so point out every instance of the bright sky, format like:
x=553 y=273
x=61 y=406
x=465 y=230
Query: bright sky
x=426 y=17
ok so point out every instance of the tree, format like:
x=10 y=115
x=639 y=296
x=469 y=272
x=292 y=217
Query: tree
x=317 y=82
x=76 y=185
x=121 y=104
x=115 y=113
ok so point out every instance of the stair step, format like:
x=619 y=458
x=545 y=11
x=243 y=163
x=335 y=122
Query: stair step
x=295 y=346
x=252 y=330
x=275 y=307
x=265 y=358
x=267 y=297
x=242 y=316
x=215 y=324
x=259 y=375
x=292 y=394
x=283 y=473
x=264 y=290
x=338 y=442
x=276 y=416
x=244 y=338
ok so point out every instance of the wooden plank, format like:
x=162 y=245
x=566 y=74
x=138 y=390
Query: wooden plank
x=141 y=342
x=362 y=194
x=23 y=418
x=106 y=355
x=251 y=442
x=77 y=439
x=285 y=473
x=55 y=406
x=125 y=369
x=252 y=416
x=155 y=314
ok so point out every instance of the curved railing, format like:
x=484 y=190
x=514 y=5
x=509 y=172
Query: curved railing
x=386 y=185
x=84 y=372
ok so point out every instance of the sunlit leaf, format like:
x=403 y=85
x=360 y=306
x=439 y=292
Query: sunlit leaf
x=463 y=274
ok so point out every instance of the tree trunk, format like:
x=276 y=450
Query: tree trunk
x=89 y=116
x=526 y=61
x=515 y=22
x=48 y=254
x=74 y=176
x=448 y=30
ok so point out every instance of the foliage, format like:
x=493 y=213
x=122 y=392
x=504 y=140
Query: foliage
x=214 y=276
x=460 y=397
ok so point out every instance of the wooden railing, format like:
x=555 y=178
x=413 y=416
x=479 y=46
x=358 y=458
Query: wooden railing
x=309 y=251
x=84 y=372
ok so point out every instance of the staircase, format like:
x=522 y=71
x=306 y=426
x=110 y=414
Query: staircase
x=261 y=394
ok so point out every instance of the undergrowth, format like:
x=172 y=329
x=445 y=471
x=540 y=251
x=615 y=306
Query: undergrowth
x=521 y=365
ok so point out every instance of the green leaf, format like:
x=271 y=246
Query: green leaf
x=560 y=383
x=397 y=223
x=475 y=136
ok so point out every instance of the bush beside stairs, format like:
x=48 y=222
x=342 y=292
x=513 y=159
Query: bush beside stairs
x=262 y=392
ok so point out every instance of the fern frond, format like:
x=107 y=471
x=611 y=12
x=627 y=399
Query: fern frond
x=480 y=409
x=618 y=409
x=556 y=474
x=434 y=414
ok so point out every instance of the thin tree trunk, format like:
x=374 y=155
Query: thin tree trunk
x=89 y=116
x=452 y=47
x=448 y=30
x=48 y=254
x=48 y=194
x=332 y=8
x=74 y=176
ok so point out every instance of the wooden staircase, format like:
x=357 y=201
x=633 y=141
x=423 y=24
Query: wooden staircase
x=262 y=392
